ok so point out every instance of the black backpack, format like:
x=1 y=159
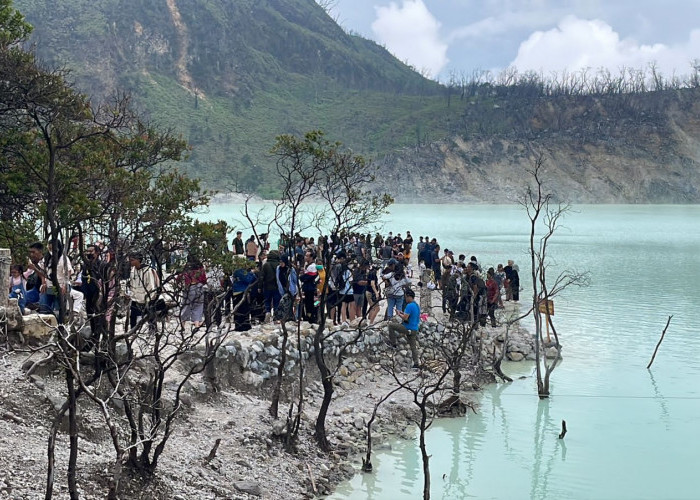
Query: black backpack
x=480 y=285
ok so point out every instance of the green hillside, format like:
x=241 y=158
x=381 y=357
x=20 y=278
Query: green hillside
x=232 y=75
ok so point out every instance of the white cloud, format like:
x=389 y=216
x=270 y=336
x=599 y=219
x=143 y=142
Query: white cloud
x=502 y=24
x=577 y=43
x=412 y=34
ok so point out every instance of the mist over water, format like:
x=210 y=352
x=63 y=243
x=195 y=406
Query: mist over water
x=633 y=432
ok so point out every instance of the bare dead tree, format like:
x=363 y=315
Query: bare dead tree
x=427 y=388
x=541 y=210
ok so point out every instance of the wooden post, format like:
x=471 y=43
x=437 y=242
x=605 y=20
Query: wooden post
x=546 y=307
x=5 y=260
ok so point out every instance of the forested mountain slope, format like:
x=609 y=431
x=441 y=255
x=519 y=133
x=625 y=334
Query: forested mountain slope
x=230 y=75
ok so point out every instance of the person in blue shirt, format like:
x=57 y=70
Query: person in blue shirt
x=411 y=319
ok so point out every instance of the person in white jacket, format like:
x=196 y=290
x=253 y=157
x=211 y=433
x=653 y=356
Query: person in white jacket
x=143 y=289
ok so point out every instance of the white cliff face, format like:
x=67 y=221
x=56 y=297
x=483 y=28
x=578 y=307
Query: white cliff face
x=650 y=157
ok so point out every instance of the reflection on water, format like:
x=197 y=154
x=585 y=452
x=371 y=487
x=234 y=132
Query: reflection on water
x=632 y=432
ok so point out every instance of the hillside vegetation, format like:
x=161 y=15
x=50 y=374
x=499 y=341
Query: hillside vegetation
x=230 y=76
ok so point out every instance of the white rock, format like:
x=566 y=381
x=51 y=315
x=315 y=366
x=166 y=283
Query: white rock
x=253 y=379
x=516 y=356
x=39 y=326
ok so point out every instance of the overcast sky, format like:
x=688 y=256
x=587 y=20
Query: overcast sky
x=440 y=36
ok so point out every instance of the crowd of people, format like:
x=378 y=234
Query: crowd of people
x=365 y=273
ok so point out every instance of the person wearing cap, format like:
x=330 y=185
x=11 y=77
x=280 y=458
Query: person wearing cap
x=409 y=327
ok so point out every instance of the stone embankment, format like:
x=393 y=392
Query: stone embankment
x=253 y=357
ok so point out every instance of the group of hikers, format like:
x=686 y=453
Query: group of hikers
x=83 y=282
x=364 y=274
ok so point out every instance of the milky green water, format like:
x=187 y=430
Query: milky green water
x=633 y=433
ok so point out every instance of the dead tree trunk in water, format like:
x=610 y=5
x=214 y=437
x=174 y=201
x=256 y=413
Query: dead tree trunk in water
x=668 y=322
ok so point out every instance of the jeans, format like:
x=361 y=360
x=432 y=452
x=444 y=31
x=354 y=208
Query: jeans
x=47 y=303
x=272 y=299
x=393 y=302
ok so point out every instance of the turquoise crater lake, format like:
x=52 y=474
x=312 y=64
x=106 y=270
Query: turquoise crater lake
x=633 y=432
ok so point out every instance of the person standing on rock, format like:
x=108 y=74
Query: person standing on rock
x=420 y=248
x=238 y=244
x=436 y=263
x=193 y=280
x=395 y=281
x=251 y=249
x=512 y=282
x=142 y=288
x=360 y=281
x=493 y=294
x=408 y=244
x=377 y=244
x=409 y=327
x=269 y=284
x=309 y=286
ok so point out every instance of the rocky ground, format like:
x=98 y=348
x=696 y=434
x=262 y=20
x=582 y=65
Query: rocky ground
x=250 y=461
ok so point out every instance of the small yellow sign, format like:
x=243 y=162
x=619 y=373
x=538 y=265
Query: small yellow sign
x=547 y=307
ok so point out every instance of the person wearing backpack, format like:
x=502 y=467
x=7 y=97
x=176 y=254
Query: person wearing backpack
x=360 y=280
x=395 y=282
x=408 y=327
x=344 y=277
x=477 y=287
x=338 y=287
